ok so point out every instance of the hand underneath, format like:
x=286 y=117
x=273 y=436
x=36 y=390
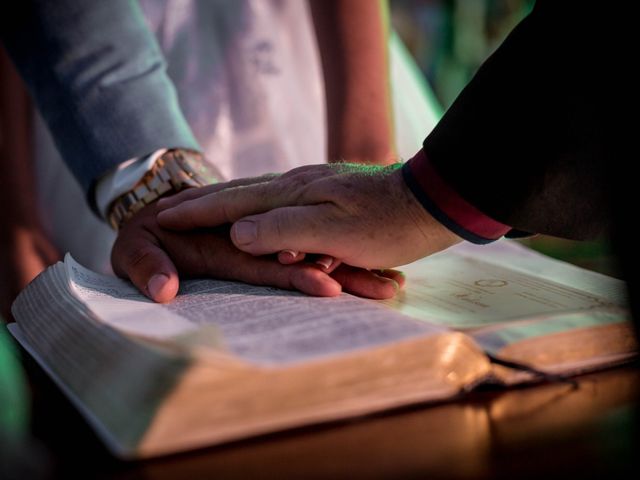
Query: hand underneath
x=153 y=258
x=364 y=216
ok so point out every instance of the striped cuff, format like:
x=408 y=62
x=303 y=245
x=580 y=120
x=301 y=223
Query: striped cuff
x=447 y=206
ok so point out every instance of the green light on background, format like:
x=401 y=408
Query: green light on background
x=14 y=414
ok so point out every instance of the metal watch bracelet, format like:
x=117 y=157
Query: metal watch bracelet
x=174 y=171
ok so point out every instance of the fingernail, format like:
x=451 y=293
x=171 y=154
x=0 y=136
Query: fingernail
x=156 y=283
x=325 y=262
x=163 y=202
x=291 y=253
x=245 y=232
x=394 y=284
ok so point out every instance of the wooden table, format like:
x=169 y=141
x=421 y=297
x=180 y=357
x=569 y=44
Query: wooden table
x=543 y=431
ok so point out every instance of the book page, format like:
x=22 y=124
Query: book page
x=495 y=338
x=518 y=257
x=263 y=325
x=462 y=290
x=120 y=304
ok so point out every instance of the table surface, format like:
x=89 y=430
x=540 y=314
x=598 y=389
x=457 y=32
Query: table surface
x=551 y=430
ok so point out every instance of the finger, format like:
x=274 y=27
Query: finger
x=231 y=204
x=396 y=275
x=327 y=263
x=304 y=277
x=193 y=193
x=365 y=283
x=303 y=229
x=311 y=281
x=293 y=188
x=141 y=260
x=209 y=211
x=287 y=257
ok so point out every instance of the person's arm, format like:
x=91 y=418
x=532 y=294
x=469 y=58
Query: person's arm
x=352 y=39
x=25 y=249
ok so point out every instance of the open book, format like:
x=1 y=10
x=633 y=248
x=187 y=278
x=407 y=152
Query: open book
x=227 y=360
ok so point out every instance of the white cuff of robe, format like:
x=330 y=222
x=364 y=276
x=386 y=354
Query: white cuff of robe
x=122 y=179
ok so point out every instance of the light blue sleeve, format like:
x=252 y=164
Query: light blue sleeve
x=98 y=76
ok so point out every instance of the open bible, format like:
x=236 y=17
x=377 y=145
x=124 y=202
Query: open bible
x=227 y=360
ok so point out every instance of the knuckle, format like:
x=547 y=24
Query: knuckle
x=296 y=171
x=280 y=224
x=295 y=182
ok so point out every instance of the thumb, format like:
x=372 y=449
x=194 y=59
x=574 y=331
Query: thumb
x=300 y=228
x=147 y=266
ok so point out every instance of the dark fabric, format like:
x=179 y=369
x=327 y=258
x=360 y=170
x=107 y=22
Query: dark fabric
x=436 y=212
x=98 y=76
x=524 y=141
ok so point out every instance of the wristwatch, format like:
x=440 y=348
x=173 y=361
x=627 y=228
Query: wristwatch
x=175 y=170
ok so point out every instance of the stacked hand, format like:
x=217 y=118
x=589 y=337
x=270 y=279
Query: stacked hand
x=151 y=257
x=363 y=216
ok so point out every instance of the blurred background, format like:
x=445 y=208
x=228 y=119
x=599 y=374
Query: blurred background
x=449 y=40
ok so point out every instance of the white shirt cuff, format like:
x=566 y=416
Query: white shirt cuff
x=122 y=179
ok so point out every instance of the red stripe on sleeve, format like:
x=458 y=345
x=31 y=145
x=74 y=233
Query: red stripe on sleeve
x=451 y=203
